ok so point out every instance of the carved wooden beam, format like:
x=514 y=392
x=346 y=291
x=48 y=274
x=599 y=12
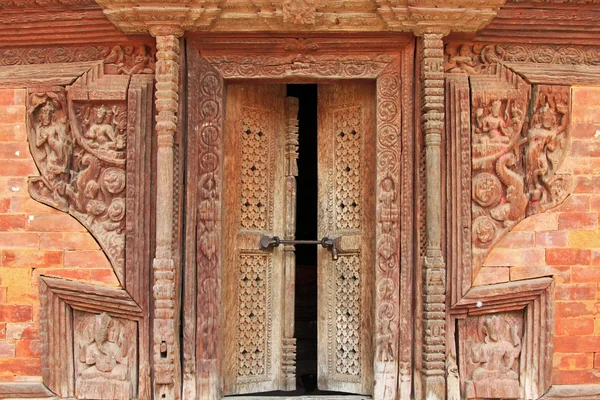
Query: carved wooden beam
x=166 y=324
x=434 y=267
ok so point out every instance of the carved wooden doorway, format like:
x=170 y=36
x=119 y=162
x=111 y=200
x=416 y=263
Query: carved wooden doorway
x=260 y=169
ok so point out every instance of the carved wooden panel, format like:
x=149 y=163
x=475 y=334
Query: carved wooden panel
x=91 y=141
x=254 y=205
x=346 y=209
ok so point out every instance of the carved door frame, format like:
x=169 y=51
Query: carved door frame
x=212 y=62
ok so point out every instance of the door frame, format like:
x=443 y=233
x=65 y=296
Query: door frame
x=215 y=60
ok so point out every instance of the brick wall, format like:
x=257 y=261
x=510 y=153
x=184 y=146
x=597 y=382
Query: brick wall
x=34 y=240
x=565 y=242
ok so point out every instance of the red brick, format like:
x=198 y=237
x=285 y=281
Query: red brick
x=53 y=223
x=22 y=295
x=27 y=205
x=582 y=291
x=12 y=222
x=574 y=309
x=21 y=366
x=14 y=185
x=7 y=348
x=578 y=221
x=585 y=148
x=13 y=132
x=539 y=222
x=595 y=203
x=595 y=257
x=28 y=348
x=576 y=344
x=104 y=277
x=67 y=273
x=517 y=240
x=4 y=204
x=584 y=95
x=2 y=330
x=586 y=273
x=86 y=259
x=18 y=168
x=574 y=203
x=15 y=313
x=3 y=294
x=9 y=151
x=12 y=114
x=575 y=377
x=6 y=376
x=597 y=360
x=12 y=97
x=568 y=256
x=504 y=257
x=551 y=239
x=586 y=184
x=22 y=331
x=561 y=274
x=68 y=241
x=583 y=166
x=584 y=130
x=19 y=239
x=31 y=258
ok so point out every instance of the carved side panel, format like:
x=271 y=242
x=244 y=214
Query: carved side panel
x=79 y=147
x=105 y=353
x=490 y=350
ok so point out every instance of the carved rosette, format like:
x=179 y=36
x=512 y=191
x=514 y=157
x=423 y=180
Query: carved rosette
x=79 y=148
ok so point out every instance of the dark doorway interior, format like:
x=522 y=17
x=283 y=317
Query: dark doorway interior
x=306 y=228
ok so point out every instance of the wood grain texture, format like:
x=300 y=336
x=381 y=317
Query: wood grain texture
x=346 y=209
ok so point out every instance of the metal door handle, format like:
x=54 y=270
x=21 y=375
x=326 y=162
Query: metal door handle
x=268 y=242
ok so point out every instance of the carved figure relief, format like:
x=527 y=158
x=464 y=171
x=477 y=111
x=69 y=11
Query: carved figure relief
x=299 y=11
x=80 y=150
x=105 y=357
x=492 y=346
x=515 y=155
x=129 y=60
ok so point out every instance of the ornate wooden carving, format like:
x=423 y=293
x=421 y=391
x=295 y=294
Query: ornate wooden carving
x=67 y=309
x=105 y=356
x=129 y=60
x=394 y=178
x=434 y=267
x=165 y=315
x=86 y=140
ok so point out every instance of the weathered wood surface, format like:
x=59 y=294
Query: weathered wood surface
x=25 y=390
x=346 y=209
x=44 y=74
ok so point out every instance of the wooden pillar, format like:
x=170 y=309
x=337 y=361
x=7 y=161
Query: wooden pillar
x=434 y=267
x=166 y=374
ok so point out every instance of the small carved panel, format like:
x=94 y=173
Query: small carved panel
x=105 y=357
x=490 y=354
x=299 y=12
x=129 y=60
x=256 y=168
x=254 y=326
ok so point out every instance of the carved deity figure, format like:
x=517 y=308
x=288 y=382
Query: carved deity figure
x=105 y=360
x=493 y=125
x=102 y=132
x=462 y=60
x=131 y=60
x=541 y=141
x=51 y=136
x=496 y=374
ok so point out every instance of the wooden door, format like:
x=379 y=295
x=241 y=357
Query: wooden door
x=258 y=348
x=346 y=155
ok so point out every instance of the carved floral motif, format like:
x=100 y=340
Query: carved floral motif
x=105 y=355
x=492 y=346
x=299 y=11
x=80 y=152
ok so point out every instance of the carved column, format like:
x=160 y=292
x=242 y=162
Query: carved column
x=434 y=268
x=165 y=329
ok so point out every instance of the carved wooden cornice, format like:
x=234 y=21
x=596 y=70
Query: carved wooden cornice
x=139 y=16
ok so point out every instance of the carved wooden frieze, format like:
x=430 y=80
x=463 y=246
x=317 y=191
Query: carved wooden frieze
x=105 y=354
x=517 y=147
x=80 y=149
x=491 y=347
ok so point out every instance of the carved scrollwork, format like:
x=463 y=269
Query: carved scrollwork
x=79 y=149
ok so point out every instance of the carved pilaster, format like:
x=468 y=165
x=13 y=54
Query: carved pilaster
x=434 y=268
x=166 y=335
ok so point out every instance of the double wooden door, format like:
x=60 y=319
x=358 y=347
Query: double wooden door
x=261 y=148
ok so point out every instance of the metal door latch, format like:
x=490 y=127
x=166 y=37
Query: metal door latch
x=268 y=242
